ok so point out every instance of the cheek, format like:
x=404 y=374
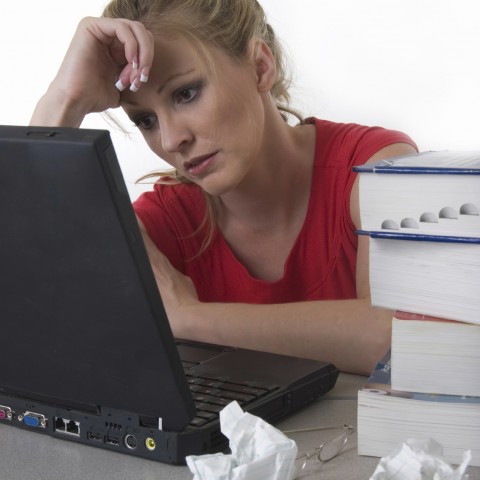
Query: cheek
x=232 y=119
x=225 y=104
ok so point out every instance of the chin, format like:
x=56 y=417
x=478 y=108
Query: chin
x=215 y=186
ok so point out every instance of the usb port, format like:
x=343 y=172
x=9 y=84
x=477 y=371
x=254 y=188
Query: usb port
x=112 y=441
x=94 y=436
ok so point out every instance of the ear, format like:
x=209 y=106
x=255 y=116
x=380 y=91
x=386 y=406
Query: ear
x=265 y=67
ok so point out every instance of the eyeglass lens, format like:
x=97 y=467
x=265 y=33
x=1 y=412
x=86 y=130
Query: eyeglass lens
x=325 y=452
x=332 y=447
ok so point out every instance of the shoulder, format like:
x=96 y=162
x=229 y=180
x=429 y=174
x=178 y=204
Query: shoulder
x=352 y=143
x=172 y=196
x=178 y=207
x=171 y=214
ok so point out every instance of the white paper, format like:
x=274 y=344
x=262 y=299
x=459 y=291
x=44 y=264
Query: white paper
x=419 y=459
x=259 y=451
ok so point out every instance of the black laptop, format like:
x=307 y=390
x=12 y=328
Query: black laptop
x=86 y=350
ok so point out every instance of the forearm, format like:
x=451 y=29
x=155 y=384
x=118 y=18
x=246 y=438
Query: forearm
x=55 y=110
x=349 y=333
x=101 y=52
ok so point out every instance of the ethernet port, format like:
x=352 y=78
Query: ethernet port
x=73 y=428
x=59 y=424
x=66 y=426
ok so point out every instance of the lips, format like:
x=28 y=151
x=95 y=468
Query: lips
x=198 y=165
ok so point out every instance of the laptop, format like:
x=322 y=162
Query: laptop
x=86 y=350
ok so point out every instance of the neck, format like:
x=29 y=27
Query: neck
x=278 y=186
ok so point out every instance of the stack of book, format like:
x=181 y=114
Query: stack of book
x=422 y=215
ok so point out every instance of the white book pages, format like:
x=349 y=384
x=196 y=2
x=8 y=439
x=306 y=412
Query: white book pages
x=428 y=202
x=385 y=421
x=436 y=357
x=436 y=278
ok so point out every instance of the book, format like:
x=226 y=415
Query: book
x=388 y=417
x=438 y=276
x=430 y=354
x=436 y=193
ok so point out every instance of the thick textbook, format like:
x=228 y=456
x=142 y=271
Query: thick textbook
x=431 y=354
x=430 y=193
x=435 y=275
x=387 y=417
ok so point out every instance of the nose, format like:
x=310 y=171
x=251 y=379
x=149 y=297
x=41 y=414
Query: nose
x=175 y=134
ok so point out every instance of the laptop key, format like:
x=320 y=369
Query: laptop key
x=198 y=422
x=211 y=399
x=233 y=387
x=208 y=416
x=195 y=380
x=216 y=392
x=208 y=407
x=212 y=383
x=239 y=397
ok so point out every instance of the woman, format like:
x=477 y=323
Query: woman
x=252 y=237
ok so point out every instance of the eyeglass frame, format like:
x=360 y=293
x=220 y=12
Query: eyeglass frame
x=316 y=452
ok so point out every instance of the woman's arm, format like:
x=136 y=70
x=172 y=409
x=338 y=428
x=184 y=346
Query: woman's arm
x=349 y=333
x=101 y=52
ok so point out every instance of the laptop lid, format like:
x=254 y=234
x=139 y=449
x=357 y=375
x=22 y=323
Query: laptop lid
x=80 y=313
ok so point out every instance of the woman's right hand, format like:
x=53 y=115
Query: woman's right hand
x=104 y=56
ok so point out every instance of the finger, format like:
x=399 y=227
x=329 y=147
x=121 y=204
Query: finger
x=142 y=60
x=138 y=47
x=124 y=78
x=130 y=41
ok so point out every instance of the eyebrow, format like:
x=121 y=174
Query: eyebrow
x=164 y=84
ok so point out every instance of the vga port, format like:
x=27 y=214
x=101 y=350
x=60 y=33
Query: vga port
x=31 y=419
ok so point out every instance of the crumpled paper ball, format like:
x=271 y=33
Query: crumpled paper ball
x=419 y=459
x=259 y=451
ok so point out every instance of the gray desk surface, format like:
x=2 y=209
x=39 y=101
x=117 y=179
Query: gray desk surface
x=29 y=456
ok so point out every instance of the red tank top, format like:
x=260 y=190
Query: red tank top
x=321 y=264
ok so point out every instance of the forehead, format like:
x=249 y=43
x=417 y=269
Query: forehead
x=178 y=52
x=173 y=54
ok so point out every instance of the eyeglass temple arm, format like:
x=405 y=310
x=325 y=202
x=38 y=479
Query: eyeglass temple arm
x=318 y=429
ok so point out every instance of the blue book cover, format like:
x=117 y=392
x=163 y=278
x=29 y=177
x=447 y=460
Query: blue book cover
x=379 y=383
x=419 y=237
x=436 y=162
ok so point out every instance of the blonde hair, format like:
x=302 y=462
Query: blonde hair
x=226 y=24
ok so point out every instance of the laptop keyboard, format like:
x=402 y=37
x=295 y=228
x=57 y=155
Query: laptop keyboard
x=211 y=395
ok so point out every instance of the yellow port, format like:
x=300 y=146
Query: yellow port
x=150 y=443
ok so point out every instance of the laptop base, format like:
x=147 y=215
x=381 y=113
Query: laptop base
x=127 y=433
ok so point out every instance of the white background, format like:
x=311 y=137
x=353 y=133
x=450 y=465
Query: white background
x=411 y=65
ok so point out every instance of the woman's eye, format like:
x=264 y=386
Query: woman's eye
x=145 y=121
x=186 y=94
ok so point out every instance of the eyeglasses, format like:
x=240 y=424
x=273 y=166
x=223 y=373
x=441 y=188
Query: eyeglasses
x=325 y=451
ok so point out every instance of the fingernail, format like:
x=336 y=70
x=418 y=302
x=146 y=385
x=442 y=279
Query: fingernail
x=120 y=85
x=134 y=87
x=143 y=77
x=135 y=63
